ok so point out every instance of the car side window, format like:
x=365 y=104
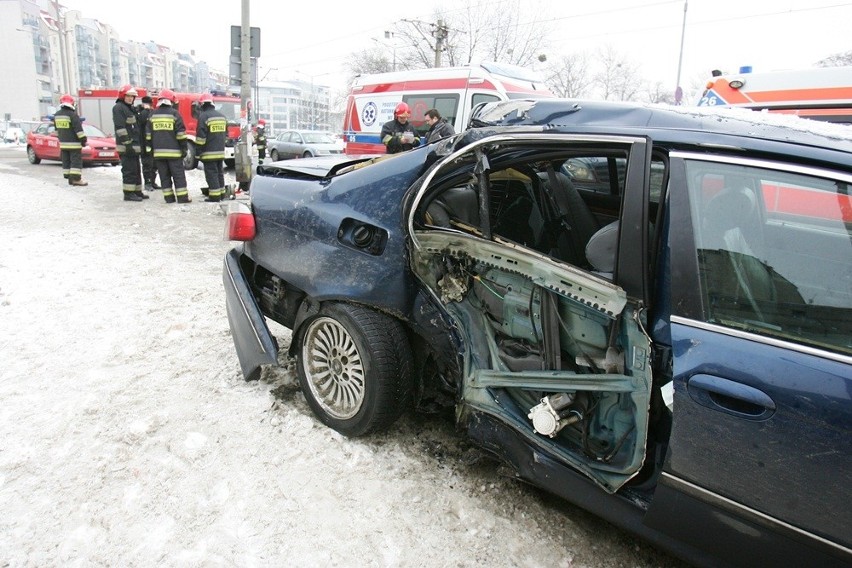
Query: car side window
x=774 y=252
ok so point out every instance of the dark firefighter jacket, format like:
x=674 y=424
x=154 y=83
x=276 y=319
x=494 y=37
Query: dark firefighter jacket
x=391 y=135
x=166 y=134
x=260 y=138
x=126 y=128
x=69 y=128
x=210 y=134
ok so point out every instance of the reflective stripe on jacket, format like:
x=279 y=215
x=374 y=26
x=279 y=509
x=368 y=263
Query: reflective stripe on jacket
x=210 y=135
x=69 y=129
x=166 y=134
x=126 y=128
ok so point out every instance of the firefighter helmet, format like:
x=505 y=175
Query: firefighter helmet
x=167 y=96
x=261 y=123
x=205 y=98
x=67 y=101
x=127 y=90
x=401 y=109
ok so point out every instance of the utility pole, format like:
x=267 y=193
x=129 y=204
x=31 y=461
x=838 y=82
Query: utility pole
x=65 y=83
x=678 y=90
x=440 y=34
x=242 y=161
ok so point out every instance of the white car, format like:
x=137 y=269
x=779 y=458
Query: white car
x=14 y=134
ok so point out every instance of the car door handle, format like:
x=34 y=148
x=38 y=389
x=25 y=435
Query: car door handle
x=730 y=397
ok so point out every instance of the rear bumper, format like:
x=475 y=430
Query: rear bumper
x=254 y=343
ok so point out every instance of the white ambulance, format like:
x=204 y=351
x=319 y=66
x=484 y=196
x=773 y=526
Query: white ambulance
x=453 y=91
x=821 y=93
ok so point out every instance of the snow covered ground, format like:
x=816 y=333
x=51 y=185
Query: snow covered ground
x=129 y=438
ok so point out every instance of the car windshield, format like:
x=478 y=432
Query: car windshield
x=230 y=110
x=93 y=131
x=317 y=138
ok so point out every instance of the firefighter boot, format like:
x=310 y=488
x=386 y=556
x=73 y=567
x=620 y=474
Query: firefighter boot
x=131 y=196
x=140 y=194
x=149 y=187
x=184 y=199
x=78 y=182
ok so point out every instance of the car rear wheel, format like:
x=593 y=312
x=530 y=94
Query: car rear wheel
x=274 y=155
x=31 y=155
x=354 y=368
x=307 y=154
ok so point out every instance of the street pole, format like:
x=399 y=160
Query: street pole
x=678 y=90
x=65 y=84
x=242 y=160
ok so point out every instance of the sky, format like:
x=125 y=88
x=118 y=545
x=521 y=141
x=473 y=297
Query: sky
x=312 y=42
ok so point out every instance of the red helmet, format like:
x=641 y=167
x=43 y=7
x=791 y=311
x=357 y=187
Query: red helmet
x=205 y=98
x=167 y=96
x=66 y=101
x=401 y=109
x=127 y=90
x=261 y=122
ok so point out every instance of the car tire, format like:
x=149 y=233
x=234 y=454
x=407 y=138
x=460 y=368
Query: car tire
x=273 y=155
x=354 y=367
x=190 y=162
x=307 y=154
x=31 y=155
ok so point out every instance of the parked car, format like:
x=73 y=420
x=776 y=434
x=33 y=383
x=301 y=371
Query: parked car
x=674 y=355
x=13 y=134
x=303 y=144
x=43 y=144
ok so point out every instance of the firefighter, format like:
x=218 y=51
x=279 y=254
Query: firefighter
x=69 y=129
x=260 y=140
x=149 y=174
x=210 y=142
x=166 y=136
x=398 y=135
x=127 y=142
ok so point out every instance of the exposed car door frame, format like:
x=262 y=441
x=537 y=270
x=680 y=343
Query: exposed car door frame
x=486 y=383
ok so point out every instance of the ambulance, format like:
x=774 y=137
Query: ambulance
x=453 y=91
x=821 y=93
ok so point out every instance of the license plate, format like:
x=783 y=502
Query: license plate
x=106 y=154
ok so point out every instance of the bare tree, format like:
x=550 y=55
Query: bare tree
x=656 y=93
x=618 y=79
x=836 y=60
x=569 y=77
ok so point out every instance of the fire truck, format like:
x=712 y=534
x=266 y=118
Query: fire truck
x=822 y=93
x=95 y=106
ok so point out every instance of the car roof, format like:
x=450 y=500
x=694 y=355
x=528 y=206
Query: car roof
x=690 y=125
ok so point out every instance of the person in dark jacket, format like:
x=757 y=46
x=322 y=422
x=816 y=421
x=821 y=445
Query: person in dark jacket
x=69 y=129
x=149 y=173
x=210 y=142
x=127 y=142
x=260 y=140
x=166 y=136
x=438 y=126
x=398 y=135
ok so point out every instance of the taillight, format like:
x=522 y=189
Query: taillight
x=240 y=224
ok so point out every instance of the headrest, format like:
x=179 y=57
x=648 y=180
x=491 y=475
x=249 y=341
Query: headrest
x=600 y=250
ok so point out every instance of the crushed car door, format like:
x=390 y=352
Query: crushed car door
x=553 y=346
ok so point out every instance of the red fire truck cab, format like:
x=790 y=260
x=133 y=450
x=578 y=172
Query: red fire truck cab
x=95 y=105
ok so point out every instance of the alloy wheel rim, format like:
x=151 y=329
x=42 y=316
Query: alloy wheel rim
x=334 y=368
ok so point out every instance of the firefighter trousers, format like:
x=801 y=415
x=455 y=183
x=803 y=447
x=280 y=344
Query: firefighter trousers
x=214 y=174
x=72 y=164
x=172 y=175
x=131 y=173
x=149 y=172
